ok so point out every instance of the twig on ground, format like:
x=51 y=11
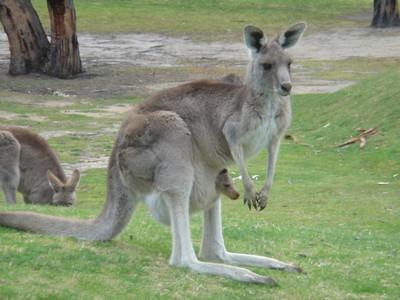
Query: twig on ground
x=361 y=138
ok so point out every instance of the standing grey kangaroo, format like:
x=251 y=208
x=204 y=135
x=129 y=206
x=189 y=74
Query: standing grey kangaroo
x=171 y=148
x=29 y=165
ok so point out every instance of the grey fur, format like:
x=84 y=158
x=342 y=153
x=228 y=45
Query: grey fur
x=170 y=150
x=232 y=78
x=29 y=165
x=9 y=162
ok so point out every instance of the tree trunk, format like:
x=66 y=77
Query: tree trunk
x=27 y=39
x=63 y=59
x=386 y=13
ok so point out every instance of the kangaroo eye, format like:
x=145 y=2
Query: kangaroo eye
x=267 y=66
x=226 y=185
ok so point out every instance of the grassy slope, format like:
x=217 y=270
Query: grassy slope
x=327 y=213
x=207 y=18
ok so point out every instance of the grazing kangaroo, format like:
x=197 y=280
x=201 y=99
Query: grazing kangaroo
x=224 y=185
x=171 y=148
x=29 y=165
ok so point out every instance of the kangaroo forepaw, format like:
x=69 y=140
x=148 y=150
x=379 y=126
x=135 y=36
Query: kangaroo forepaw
x=261 y=200
x=258 y=202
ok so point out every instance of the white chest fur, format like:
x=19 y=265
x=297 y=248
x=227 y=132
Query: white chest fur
x=259 y=138
x=266 y=121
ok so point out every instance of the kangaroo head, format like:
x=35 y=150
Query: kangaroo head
x=269 y=68
x=225 y=185
x=64 y=193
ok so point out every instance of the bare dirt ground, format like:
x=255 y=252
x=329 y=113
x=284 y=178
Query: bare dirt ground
x=122 y=65
x=152 y=50
x=136 y=65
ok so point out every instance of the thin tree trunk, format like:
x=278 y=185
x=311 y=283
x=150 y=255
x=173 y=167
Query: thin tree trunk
x=386 y=13
x=63 y=59
x=27 y=40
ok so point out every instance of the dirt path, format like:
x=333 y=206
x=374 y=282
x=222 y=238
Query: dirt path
x=161 y=51
x=154 y=50
x=103 y=54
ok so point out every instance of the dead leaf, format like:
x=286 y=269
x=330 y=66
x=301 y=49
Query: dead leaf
x=292 y=138
x=363 y=142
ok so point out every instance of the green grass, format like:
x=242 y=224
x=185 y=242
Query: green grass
x=209 y=19
x=352 y=69
x=327 y=214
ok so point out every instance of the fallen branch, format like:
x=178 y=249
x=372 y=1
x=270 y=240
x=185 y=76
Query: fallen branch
x=349 y=142
x=368 y=132
x=361 y=138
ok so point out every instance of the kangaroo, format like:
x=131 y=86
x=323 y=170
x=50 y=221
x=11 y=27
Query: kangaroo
x=170 y=149
x=9 y=165
x=29 y=165
x=225 y=186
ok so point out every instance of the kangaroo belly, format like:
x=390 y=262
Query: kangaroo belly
x=200 y=200
x=158 y=208
x=202 y=197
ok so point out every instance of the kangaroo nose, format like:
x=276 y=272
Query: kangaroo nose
x=286 y=87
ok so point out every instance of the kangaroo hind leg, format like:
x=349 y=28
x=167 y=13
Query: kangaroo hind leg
x=183 y=255
x=213 y=246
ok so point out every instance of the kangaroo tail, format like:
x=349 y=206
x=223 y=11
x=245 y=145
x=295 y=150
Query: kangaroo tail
x=40 y=223
x=116 y=213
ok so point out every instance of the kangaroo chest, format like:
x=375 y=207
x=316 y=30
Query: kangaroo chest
x=258 y=138
x=264 y=126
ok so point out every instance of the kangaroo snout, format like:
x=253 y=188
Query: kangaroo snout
x=234 y=195
x=286 y=88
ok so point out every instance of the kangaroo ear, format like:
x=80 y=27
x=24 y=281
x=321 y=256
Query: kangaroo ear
x=290 y=37
x=55 y=183
x=74 y=179
x=254 y=38
x=224 y=171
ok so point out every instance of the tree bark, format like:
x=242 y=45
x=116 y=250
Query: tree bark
x=63 y=59
x=27 y=39
x=386 y=13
